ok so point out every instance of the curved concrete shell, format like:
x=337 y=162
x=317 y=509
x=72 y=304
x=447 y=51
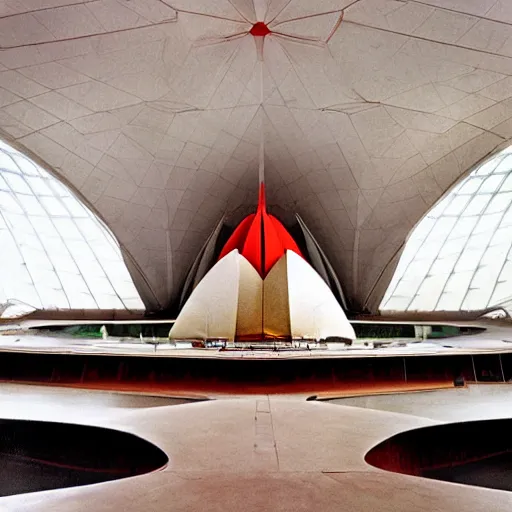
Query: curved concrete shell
x=156 y=113
x=233 y=302
x=211 y=310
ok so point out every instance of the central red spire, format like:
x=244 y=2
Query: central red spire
x=261 y=239
x=260 y=29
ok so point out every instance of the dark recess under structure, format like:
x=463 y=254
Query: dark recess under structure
x=174 y=376
x=40 y=455
x=473 y=453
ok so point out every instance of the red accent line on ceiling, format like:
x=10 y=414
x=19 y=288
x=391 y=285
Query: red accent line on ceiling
x=259 y=29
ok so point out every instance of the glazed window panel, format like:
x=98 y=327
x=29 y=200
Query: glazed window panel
x=56 y=254
x=461 y=250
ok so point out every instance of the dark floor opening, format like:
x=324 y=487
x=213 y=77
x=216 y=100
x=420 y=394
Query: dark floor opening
x=39 y=455
x=475 y=453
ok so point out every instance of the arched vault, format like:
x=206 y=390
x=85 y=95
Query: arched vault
x=155 y=111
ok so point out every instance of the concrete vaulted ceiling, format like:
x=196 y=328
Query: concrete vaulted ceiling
x=155 y=111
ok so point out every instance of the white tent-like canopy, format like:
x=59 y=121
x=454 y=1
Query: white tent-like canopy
x=155 y=111
x=232 y=302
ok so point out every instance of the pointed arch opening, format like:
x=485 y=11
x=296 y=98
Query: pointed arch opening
x=56 y=254
x=459 y=257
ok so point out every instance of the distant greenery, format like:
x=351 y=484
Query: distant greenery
x=113 y=330
x=383 y=331
x=82 y=331
x=443 y=331
x=389 y=331
x=161 y=330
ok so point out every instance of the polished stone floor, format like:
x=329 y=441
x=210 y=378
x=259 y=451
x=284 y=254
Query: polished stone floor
x=258 y=453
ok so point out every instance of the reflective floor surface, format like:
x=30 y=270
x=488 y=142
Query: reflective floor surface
x=44 y=455
x=470 y=452
x=259 y=453
x=474 y=402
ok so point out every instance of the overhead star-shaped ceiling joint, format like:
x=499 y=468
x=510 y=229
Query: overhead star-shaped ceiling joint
x=286 y=22
x=259 y=29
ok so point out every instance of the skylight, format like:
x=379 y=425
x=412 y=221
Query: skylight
x=55 y=253
x=459 y=257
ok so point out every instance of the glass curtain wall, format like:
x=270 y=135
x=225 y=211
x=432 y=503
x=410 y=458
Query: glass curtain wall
x=459 y=257
x=54 y=252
